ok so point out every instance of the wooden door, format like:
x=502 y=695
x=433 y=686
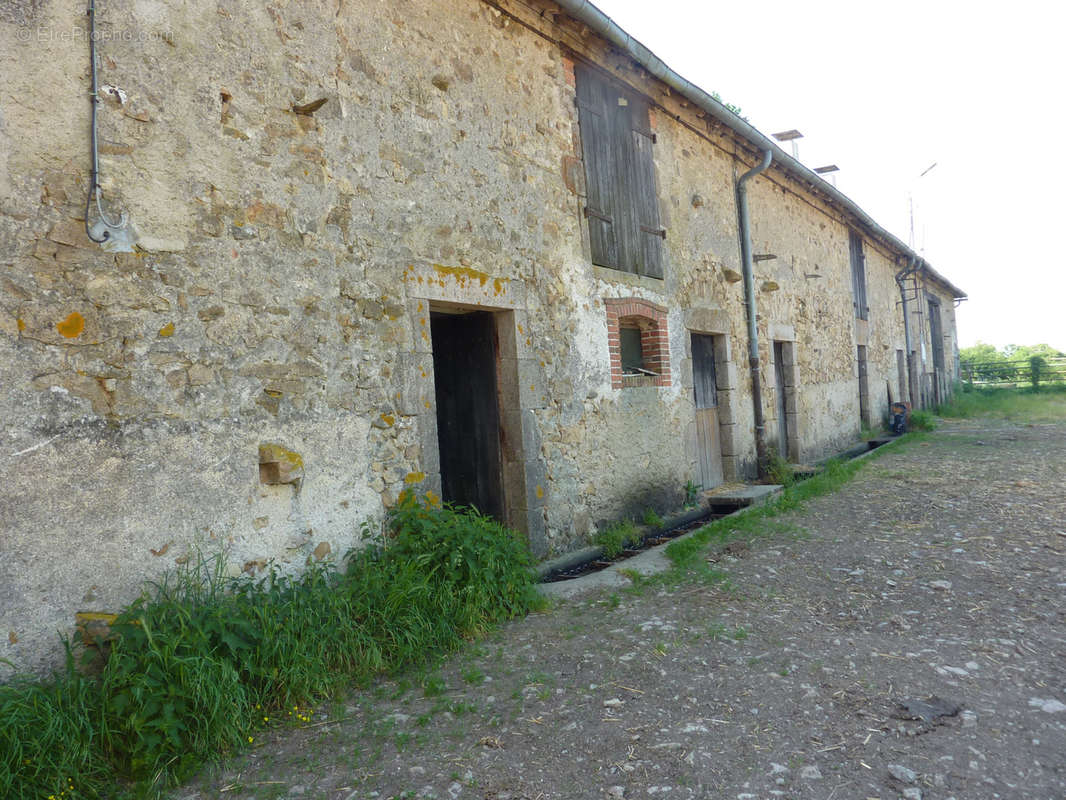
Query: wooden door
x=708 y=435
x=468 y=418
x=865 y=417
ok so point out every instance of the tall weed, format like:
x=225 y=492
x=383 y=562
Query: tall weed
x=198 y=662
x=616 y=537
x=50 y=737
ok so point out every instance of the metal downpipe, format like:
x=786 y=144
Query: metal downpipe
x=901 y=278
x=747 y=265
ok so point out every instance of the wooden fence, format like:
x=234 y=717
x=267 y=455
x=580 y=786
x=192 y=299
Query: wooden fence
x=1029 y=371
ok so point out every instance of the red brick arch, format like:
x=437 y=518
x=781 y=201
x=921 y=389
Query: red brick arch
x=654 y=340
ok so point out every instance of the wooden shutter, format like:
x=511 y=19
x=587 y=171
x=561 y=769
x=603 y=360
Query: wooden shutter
x=600 y=172
x=858 y=276
x=622 y=204
x=648 y=244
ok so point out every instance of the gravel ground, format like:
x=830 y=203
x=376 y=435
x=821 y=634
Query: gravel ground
x=936 y=575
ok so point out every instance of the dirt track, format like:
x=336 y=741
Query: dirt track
x=939 y=571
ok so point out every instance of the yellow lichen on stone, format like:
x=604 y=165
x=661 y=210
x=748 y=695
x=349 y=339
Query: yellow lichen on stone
x=279 y=465
x=414 y=477
x=166 y=330
x=275 y=452
x=461 y=274
x=72 y=326
x=388 y=419
x=94 y=626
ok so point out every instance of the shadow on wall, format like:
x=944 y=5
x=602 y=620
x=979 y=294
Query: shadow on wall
x=661 y=498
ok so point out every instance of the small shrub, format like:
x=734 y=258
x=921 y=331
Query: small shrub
x=170 y=700
x=466 y=554
x=651 y=519
x=1037 y=369
x=692 y=493
x=921 y=420
x=779 y=470
x=616 y=537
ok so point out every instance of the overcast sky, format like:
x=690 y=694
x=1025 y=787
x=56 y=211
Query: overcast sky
x=884 y=90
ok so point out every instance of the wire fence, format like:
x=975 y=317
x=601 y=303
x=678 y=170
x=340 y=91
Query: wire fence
x=1031 y=371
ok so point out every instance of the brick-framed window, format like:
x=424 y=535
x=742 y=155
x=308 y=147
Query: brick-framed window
x=651 y=367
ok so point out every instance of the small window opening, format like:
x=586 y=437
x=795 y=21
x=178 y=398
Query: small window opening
x=635 y=361
x=632 y=351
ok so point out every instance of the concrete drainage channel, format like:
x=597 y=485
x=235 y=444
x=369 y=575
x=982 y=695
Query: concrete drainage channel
x=586 y=569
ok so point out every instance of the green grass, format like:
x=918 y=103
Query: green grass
x=652 y=519
x=921 y=420
x=780 y=470
x=686 y=553
x=616 y=537
x=201 y=663
x=1046 y=404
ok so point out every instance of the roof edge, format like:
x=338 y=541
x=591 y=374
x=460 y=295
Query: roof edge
x=601 y=24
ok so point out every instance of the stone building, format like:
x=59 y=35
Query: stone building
x=488 y=250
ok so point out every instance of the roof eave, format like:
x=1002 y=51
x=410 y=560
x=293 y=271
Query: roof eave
x=604 y=26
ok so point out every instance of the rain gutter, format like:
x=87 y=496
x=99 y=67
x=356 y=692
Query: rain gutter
x=599 y=23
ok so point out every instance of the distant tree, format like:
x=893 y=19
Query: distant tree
x=730 y=106
x=1042 y=350
x=983 y=362
x=981 y=352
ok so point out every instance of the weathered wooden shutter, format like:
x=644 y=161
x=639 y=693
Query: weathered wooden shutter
x=648 y=247
x=622 y=205
x=600 y=169
x=858 y=275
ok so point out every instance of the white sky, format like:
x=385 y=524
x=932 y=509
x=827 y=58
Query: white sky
x=884 y=90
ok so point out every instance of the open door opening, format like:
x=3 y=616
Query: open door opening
x=468 y=415
x=865 y=416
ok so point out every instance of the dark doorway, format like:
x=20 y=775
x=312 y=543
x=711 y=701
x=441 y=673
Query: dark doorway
x=936 y=335
x=468 y=417
x=708 y=435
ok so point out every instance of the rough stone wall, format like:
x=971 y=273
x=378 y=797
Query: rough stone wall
x=257 y=379
x=922 y=329
x=283 y=282
x=884 y=332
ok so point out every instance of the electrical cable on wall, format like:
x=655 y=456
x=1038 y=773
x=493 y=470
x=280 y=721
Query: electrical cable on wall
x=114 y=236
